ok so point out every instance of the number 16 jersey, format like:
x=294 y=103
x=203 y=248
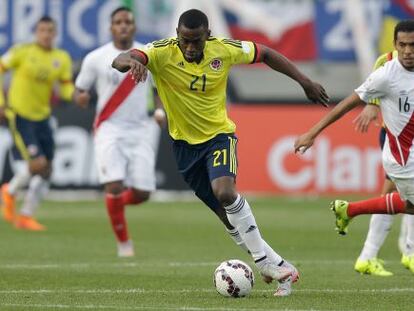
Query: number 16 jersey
x=394 y=86
x=194 y=95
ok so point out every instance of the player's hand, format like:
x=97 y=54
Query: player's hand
x=2 y=115
x=316 y=93
x=83 y=98
x=138 y=71
x=160 y=117
x=364 y=119
x=303 y=143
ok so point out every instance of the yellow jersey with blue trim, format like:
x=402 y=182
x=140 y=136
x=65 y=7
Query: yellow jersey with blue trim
x=34 y=73
x=194 y=94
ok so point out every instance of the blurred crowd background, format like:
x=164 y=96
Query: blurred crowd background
x=334 y=41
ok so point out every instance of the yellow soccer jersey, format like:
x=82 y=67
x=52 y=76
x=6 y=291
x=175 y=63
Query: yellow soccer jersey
x=381 y=60
x=194 y=95
x=35 y=71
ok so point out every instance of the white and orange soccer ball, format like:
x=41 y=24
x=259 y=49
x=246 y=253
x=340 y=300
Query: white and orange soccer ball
x=233 y=278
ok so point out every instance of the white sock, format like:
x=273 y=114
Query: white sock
x=20 y=179
x=241 y=217
x=38 y=188
x=409 y=242
x=379 y=227
x=270 y=253
x=402 y=238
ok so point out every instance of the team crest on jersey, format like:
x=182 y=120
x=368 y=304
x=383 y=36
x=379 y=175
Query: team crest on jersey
x=216 y=64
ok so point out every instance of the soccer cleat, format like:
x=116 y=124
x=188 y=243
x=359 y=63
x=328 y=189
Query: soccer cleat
x=405 y=261
x=9 y=203
x=340 y=207
x=372 y=266
x=285 y=275
x=28 y=223
x=126 y=249
x=410 y=261
x=285 y=285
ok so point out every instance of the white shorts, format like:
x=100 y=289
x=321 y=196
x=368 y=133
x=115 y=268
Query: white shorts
x=405 y=188
x=127 y=158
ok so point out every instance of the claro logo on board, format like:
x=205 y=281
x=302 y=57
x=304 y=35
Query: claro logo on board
x=324 y=167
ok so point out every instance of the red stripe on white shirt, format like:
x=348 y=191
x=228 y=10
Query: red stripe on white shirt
x=117 y=98
x=400 y=146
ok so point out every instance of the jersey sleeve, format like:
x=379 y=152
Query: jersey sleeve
x=241 y=52
x=381 y=60
x=374 y=87
x=87 y=74
x=155 y=54
x=66 y=83
x=12 y=58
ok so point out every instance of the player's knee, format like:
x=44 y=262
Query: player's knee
x=114 y=188
x=40 y=166
x=225 y=196
x=409 y=207
x=142 y=195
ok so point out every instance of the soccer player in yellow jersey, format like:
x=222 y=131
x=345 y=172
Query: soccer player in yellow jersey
x=191 y=73
x=380 y=224
x=36 y=67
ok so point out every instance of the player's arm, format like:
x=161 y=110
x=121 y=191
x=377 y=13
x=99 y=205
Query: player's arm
x=134 y=61
x=314 y=91
x=367 y=115
x=306 y=140
x=85 y=80
x=6 y=62
x=2 y=99
x=65 y=80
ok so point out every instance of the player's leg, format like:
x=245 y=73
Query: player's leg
x=408 y=258
x=222 y=168
x=24 y=148
x=140 y=179
x=112 y=164
x=402 y=239
x=40 y=166
x=391 y=203
x=10 y=190
x=380 y=225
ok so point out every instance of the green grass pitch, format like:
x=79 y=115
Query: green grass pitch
x=73 y=265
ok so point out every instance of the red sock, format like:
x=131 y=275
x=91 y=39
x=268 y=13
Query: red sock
x=116 y=211
x=129 y=197
x=390 y=203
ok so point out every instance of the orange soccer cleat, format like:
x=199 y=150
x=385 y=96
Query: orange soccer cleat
x=28 y=223
x=9 y=203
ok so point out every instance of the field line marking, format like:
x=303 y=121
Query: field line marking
x=96 y=307
x=85 y=265
x=204 y=290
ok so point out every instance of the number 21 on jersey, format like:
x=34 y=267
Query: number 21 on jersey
x=198 y=83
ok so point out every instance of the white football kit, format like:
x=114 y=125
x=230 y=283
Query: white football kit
x=394 y=86
x=126 y=137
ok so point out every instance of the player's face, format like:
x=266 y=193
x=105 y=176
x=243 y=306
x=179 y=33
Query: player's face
x=45 y=33
x=192 y=42
x=405 y=47
x=123 y=27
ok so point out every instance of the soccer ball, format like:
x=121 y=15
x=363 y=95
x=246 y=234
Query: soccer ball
x=233 y=278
